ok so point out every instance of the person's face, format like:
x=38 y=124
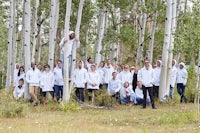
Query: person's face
x=46 y=68
x=108 y=62
x=21 y=83
x=71 y=36
x=93 y=68
x=173 y=62
x=17 y=66
x=139 y=84
x=39 y=67
x=80 y=65
x=90 y=61
x=126 y=68
x=114 y=75
x=158 y=63
x=59 y=64
x=181 y=66
x=146 y=63
x=21 y=69
x=101 y=64
x=126 y=85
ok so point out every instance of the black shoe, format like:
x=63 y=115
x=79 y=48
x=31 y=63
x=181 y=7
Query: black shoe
x=154 y=108
x=143 y=107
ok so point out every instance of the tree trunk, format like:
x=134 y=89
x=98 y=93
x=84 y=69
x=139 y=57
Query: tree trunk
x=142 y=24
x=163 y=84
x=53 y=30
x=21 y=50
x=151 y=43
x=66 y=93
x=75 y=45
x=10 y=43
x=34 y=29
x=27 y=28
x=100 y=35
x=171 y=46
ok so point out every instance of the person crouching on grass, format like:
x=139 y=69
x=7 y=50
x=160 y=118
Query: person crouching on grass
x=47 y=83
x=127 y=94
x=19 y=90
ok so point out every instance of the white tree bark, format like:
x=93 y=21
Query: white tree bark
x=27 y=28
x=75 y=45
x=53 y=30
x=10 y=41
x=34 y=29
x=162 y=88
x=21 y=50
x=171 y=46
x=151 y=43
x=100 y=35
x=143 y=19
x=14 y=43
x=66 y=91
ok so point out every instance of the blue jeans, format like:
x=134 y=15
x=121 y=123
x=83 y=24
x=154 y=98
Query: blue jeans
x=58 y=92
x=69 y=64
x=171 y=92
x=129 y=99
x=181 y=91
x=139 y=100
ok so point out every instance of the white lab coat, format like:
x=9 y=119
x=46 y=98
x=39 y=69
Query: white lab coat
x=80 y=77
x=58 y=76
x=93 y=78
x=33 y=77
x=108 y=73
x=47 y=81
x=114 y=86
x=146 y=76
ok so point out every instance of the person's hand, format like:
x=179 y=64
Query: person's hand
x=65 y=40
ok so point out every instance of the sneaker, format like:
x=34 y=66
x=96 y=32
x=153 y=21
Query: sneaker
x=154 y=108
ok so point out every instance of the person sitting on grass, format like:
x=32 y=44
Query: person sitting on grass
x=127 y=95
x=114 y=86
x=19 y=90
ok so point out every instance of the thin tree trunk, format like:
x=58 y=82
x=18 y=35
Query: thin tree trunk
x=143 y=19
x=14 y=44
x=53 y=30
x=75 y=45
x=100 y=35
x=151 y=43
x=171 y=46
x=165 y=55
x=66 y=92
x=10 y=43
x=34 y=29
x=27 y=28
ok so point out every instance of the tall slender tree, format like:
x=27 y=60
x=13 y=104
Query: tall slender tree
x=165 y=54
x=66 y=91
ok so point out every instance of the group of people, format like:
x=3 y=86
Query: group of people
x=127 y=85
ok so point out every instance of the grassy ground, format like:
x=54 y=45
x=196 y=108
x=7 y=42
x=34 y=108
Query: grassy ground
x=168 y=118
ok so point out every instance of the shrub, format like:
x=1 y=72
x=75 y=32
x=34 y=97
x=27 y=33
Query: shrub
x=71 y=106
x=9 y=107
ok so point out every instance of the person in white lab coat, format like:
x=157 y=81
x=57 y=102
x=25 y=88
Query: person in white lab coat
x=173 y=79
x=46 y=83
x=108 y=70
x=181 y=80
x=93 y=82
x=19 y=89
x=80 y=79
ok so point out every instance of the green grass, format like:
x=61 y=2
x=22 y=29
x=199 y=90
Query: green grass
x=170 y=117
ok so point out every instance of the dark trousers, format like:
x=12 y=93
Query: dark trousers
x=58 y=91
x=150 y=90
x=116 y=96
x=80 y=94
x=155 y=91
x=181 y=91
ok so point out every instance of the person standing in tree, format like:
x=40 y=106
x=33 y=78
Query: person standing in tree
x=80 y=78
x=145 y=76
x=69 y=44
x=181 y=81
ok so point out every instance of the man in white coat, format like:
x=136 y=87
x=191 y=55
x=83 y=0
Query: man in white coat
x=58 y=84
x=33 y=78
x=181 y=80
x=156 y=78
x=80 y=78
x=108 y=70
x=69 y=43
x=173 y=79
x=16 y=70
x=145 y=76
